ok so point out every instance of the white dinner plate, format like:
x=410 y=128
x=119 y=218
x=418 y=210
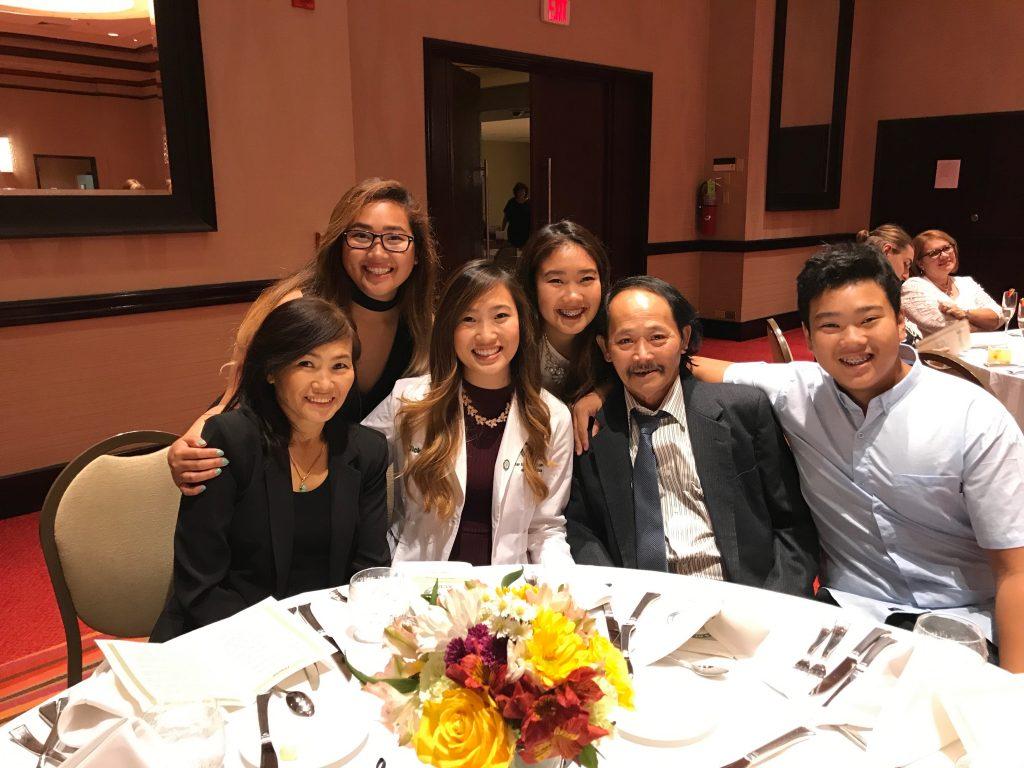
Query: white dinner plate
x=673 y=707
x=335 y=733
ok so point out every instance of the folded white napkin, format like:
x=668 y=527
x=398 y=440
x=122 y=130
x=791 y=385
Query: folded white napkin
x=120 y=746
x=668 y=623
x=986 y=716
x=912 y=721
x=94 y=706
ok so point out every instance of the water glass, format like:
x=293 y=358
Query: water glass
x=1020 y=317
x=187 y=735
x=376 y=596
x=953 y=628
x=1009 y=303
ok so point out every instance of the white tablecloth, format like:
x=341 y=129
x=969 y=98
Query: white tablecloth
x=751 y=713
x=1005 y=382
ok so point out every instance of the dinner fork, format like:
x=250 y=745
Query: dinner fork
x=804 y=663
x=838 y=633
x=23 y=737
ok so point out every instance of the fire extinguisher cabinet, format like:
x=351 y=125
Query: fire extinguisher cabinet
x=707 y=206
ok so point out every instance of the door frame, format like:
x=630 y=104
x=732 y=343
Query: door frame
x=438 y=131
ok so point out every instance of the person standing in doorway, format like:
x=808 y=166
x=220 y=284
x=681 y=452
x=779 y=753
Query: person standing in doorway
x=517 y=216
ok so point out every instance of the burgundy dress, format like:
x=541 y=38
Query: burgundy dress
x=473 y=539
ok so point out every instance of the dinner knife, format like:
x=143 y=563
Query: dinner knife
x=766 y=750
x=862 y=663
x=338 y=657
x=626 y=631
x=836 y=676
x=268 y=755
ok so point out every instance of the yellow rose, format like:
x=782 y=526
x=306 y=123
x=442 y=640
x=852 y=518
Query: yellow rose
x=602 y=652
x=554 y=650
x=462 y=730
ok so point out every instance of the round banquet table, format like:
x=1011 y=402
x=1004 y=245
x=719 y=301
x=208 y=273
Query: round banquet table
x=752 y=712
x=1005 y=382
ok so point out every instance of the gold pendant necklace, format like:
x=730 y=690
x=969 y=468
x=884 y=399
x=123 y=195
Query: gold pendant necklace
x=475 y=414
x=302 y=476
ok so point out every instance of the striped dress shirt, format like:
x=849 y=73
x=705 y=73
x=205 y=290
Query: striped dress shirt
x=689 y=538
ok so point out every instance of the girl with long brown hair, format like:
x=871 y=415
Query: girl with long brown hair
x=377 y=260
x=483 y=454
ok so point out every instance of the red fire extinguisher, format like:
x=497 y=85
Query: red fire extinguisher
x=707 y=205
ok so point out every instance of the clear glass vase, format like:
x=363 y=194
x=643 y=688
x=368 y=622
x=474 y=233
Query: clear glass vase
x=554 y=762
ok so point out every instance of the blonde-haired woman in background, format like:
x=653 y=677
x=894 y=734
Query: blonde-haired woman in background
x=893 y=242
x=377 y=260
x=484 y=454
x=935 y=298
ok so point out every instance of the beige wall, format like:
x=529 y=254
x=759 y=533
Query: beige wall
x=124 y=135
x=668 y=39
x=279 y=97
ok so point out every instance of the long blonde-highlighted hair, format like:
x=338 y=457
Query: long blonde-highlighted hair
x=324 y=275
x=438 y=416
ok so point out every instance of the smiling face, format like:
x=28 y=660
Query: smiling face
x=644 y=344
x=487 y=339
x=938 y=260
x=310 y=390
x=377 y=272
x=568 y=292
x=855 y=336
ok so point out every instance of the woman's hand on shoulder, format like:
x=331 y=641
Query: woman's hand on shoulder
x=192 y=463
x=583 y=412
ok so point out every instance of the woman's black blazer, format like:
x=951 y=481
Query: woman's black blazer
x=233 y=542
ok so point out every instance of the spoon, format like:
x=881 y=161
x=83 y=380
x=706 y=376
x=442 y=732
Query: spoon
x=703 y=669
x=297 y=701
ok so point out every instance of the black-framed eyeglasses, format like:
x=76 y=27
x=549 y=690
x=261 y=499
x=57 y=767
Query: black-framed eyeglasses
x=395 y=242
x=934 y=253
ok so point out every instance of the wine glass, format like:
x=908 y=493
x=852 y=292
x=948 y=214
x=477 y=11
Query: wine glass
x=953 y=628
x=1009 y=303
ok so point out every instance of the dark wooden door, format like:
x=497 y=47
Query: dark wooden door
x=593 y=122
x=983 y=213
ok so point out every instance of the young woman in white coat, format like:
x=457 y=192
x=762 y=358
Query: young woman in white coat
x=482 y=454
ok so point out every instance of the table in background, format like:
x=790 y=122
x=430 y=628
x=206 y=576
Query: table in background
x=1005 y=382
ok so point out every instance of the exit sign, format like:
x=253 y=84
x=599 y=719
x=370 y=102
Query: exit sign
x=555 y=11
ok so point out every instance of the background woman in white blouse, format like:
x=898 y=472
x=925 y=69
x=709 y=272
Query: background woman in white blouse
x=935 y=298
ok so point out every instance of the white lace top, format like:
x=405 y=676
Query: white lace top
x=554 y=369
x=921 y=297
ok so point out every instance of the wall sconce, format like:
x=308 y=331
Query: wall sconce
x=6 y=155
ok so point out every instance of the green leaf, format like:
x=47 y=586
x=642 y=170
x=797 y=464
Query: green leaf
x=431 y=595
x=587 y=757
x=511 y=578
x=400 y=684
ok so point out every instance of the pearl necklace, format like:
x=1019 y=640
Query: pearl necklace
x=475 y=414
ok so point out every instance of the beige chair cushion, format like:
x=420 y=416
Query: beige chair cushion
x=115 y=535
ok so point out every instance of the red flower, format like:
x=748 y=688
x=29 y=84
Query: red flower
x=469 y=672
x=558 y=723
x=515 y=700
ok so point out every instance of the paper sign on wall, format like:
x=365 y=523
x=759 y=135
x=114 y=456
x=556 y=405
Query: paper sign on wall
x=947 y=174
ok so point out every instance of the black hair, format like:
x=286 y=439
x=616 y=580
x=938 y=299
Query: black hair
x=840 y=264
x=290 y=331
x=519 y=185
x=683 y=311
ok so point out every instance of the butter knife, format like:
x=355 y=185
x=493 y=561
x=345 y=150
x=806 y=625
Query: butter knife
x=338 y=657
x=836 y=676
x=862 y=663
x=769 y=749
x=268 y=755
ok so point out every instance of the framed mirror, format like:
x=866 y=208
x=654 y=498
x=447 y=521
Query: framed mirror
x=810 y=76
x=104 y=128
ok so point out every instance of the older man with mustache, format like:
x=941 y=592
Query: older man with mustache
x=684 y=476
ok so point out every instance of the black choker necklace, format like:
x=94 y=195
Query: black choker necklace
x=374 y=305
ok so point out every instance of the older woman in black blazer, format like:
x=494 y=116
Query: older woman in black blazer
x=302 y=503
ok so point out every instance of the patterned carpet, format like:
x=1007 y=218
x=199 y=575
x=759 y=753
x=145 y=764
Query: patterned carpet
x=32 y=679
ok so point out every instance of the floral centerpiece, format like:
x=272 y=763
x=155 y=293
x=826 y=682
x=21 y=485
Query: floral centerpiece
x=481 y=674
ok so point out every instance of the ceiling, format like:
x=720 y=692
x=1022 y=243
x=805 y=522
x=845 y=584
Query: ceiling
x=129 y=28
x=517 y=130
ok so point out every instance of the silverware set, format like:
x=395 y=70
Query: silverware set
x=52 y=752
x=818 y=668
x=620 y=636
